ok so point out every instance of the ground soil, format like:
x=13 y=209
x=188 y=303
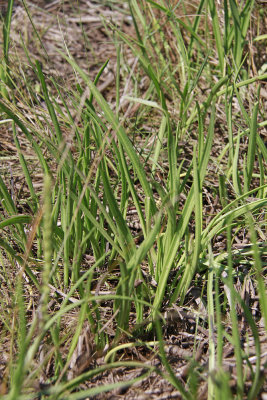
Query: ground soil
x=63 y=25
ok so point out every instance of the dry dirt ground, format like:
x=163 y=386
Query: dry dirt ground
x=81 y=27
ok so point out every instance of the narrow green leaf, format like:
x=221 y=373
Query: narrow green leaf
x=217 y=33
x=252 y=144
x=238 y=42
x=6 y=199
x=48 y=103
x=191 y=269
x=17 y=219
x=6 y=29
x=25 y=168
x=235 y=169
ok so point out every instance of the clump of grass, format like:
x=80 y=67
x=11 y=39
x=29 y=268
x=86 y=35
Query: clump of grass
x=206 y=145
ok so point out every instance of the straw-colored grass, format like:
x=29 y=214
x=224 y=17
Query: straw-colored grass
x=133 y=200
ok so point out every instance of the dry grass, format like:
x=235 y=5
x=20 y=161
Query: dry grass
x=83 y=30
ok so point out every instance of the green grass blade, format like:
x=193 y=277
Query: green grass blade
x=17 y=219
x=6 y=29
x=25 y=169
x=235 y=327
x=34 y=28
x=172 y=376
x=192 y=267
x=252 y=144
x=217 y=33
x=48 y=103
x=238 y=41
x=211 y=320
x=259 y=271
x=6 y=199
x=235 y=169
